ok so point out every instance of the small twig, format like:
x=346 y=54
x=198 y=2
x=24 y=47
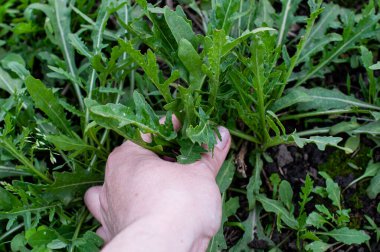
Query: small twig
x=267 y=181
x=239 y=160
x=337 y=248
x=65 y=90
x=169 y=3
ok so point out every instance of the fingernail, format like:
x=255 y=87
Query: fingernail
x=225 y=136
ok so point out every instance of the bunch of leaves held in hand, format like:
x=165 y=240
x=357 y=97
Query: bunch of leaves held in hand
x=79 y=77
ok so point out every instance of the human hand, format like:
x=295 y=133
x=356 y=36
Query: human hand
x=149 y=204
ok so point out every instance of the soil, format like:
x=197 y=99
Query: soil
x=293 y=164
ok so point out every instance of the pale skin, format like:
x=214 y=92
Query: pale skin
x=149 y=204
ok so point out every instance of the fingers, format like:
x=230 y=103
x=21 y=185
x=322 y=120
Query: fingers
x=176 y=125
x=102 y=232
x=214 y=160
x=91 y=199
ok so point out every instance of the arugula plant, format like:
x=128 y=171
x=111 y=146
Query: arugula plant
x=78 y=77
x=321 y=228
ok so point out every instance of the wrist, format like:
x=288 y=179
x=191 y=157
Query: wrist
x=156 y=233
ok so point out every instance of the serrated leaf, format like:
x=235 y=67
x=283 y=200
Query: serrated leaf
x=190 y=152
x=351 y=35
x=276 y=207
x=321 y=142
x=348 y=236
x=69 y=184
x=65 y=143
x=203 y=132
x=79 y=45
x=45 y=100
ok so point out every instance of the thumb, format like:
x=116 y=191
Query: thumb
x=214 y=160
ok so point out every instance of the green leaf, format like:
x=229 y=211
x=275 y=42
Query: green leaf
x=79 y=45
x=214 y=54
x=333 y=192
x=276 y=207
x=45 y=100
x=225 y=175
x=348 y=236
x=42 y=236
x=374 y=188
x=190 y=152
x=321 y=142
x=316 y=220
x=375 y=66
x=286 y=19
x=180 y=28
x=12 y=171
x=344 y=126
x=371 y=171
x=286 y=194
x=203 y=132
x=59 y=17
x=227 y=47
x=67 y=185
x=191 y=60
x=223 y=14
x=229 y=208
x=318 y=246
x=372 y=128
x=265 y=13
x=65 y=143
x=7 y=83
x=320 y=99
x=148 y=63
x=351 y=35
x=8 y=200
x=306 y=190
x=294 y=96
x=90 y=242
x=18 y=242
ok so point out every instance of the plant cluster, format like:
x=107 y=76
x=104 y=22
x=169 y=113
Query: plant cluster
x=79 y=77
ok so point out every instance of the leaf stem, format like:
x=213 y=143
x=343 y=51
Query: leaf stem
x=83 y=217
x=11 y=231
x=321 y=113
x=300 y=48
x=118 y=97
x=16 y=154
x=244 y=136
